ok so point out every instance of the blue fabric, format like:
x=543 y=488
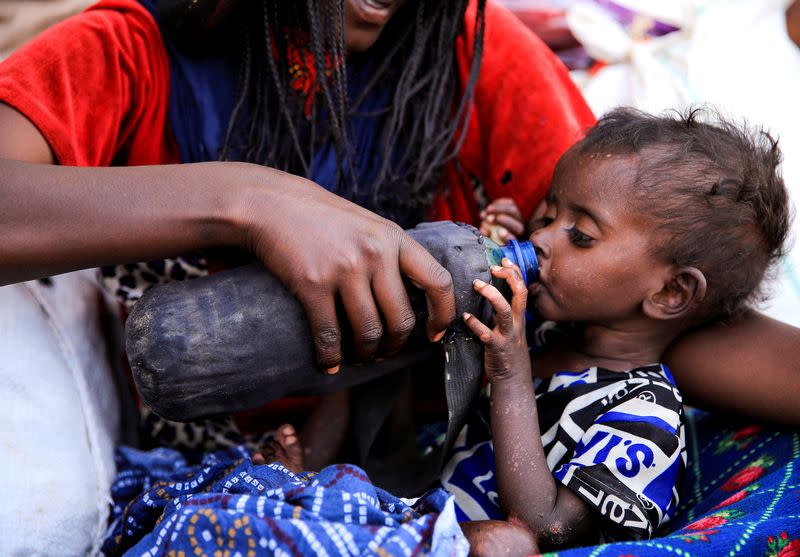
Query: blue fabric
x=740 y=497
x=203 y=91
x=162 y=506
x=615 y=439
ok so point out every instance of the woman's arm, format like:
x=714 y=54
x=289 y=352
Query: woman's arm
x=750 y=367
x=528 y=492
x=793 y=22
x=55 y=219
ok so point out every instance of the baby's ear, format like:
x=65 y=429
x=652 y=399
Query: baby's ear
x=680 y=294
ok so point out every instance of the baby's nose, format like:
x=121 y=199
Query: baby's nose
x=541 y=245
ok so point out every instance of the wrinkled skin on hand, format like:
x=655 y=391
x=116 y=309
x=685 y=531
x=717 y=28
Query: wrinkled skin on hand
x=352 y=255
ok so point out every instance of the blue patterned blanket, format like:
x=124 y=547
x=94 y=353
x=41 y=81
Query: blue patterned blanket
x=741 y=497
x=228 y=506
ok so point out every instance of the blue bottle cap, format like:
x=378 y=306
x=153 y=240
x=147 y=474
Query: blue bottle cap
x=524 y=255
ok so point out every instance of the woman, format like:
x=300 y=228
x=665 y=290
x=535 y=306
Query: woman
x=60 y=109
x=447 y=107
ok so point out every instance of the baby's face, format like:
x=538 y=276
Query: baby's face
x=594 y=244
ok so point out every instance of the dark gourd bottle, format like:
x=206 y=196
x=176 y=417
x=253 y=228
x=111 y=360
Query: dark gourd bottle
x=235 y=340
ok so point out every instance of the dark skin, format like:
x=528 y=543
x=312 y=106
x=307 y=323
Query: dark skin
x=631 y=306
x=57 y=219
x=714 y=363
x=197 y=207
x=61 y=219
x=529 y=494
x=598 y=269
x=793 y=22
x=364 y=21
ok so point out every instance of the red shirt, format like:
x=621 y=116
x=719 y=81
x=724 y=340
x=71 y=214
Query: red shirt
x=97 y=87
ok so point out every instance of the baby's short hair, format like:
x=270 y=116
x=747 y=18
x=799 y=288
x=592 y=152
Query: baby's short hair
x=717 y=189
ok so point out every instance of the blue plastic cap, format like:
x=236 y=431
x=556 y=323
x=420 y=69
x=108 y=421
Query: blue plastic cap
x=524 y=255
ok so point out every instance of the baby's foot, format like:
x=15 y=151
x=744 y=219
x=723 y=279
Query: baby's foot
x=284 y=448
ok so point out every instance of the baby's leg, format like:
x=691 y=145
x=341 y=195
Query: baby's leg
x=493 y=538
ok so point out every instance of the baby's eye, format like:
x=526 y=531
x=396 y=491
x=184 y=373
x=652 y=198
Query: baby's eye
x=578 y=238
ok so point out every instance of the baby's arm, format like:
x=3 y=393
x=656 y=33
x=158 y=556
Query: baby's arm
x=529 y=494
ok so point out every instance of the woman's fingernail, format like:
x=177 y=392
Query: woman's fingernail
x=506 y=262
x=479 y=283
x=490 y=218
x=437 y=337
x=332 y=370
x=466 y=316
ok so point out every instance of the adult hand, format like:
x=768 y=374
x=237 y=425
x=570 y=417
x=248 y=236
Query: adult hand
x=319 y=245
x=323 y=247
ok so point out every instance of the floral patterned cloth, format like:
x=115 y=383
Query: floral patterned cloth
x=741 y=496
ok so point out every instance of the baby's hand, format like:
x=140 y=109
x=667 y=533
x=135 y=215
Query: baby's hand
x=502 y=221
x=506 y=350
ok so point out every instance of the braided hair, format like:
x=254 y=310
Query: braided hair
x=421 y=125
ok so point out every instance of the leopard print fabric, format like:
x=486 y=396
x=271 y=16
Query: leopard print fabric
x=128 y=283
x=202 y=435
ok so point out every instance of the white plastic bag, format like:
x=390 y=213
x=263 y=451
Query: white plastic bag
x=734 y=55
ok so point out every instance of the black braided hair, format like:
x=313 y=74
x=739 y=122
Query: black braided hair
x=421 y=128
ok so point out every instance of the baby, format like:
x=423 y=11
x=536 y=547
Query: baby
x=653 y=225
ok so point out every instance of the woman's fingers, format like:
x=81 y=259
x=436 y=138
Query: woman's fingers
x=325 y=331
x=345 y=251
x=398 y=315
x=426 y=273
x=364 y=320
